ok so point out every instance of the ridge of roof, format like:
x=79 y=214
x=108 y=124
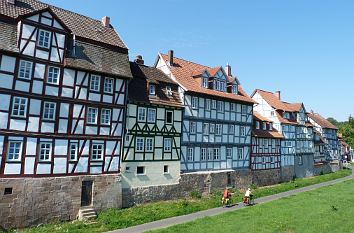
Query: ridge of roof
x=320 y=120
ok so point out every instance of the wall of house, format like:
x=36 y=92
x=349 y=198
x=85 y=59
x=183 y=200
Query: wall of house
x=325 y=168
x=265 y=153
x=266 y=177
x=40 y=200
x=304 y=167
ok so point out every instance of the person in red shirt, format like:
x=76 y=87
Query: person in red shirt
x=226 y=197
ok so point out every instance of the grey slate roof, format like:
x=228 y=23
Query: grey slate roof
x=8 y=35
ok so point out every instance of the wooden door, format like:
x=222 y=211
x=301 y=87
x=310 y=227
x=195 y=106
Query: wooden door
x=86 y=193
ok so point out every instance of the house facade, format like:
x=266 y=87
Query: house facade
x=152 y=146
x=62 y=106
x=217 y=119
x=319 y=148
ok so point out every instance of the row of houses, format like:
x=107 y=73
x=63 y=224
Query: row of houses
x=81 y=125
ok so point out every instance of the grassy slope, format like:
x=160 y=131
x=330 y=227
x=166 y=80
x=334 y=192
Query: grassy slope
x=117 y=219
x=328 y=209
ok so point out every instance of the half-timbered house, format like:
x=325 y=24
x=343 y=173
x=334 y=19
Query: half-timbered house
x=217 y=119
x=153 y=130
x=63 y=83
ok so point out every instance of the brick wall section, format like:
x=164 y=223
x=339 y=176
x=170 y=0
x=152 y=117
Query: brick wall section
x=40 y=200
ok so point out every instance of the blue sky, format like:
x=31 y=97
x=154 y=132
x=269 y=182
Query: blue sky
x=304 y=48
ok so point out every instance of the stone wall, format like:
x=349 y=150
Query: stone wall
x=325 y=168
x=39 y=200
x=287 y=173
x=304 y=168
x=266 y=177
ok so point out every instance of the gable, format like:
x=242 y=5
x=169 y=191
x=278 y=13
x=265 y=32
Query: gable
x=46 y=17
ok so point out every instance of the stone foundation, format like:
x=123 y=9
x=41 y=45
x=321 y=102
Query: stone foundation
x=40 y=200
x=287 y=173
x=325 y=168
x=266 y=177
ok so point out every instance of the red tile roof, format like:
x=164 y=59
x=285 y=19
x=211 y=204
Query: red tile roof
x=259 y=117
x=266 y=134
x=324 y=123
x=185 y=71
x=276 y=103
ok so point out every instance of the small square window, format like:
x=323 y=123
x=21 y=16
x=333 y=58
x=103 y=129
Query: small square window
x=44 y=39
x=49 y=111
x=140 y=170
x=8 y=191
x=53 y=75
x=25 y=71
x=165 y=169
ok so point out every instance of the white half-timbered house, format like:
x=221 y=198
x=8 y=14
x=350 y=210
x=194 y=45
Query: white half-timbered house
x=152 y=146
x=329 y=133
x=266 y=144
x=217 y=119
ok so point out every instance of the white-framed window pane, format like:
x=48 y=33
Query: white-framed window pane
x=108 y=85
x=14 y=151
x=207 y=104
x=45 y=151
x=95 y=82
x=149 y=145
x=216 y=153
x=44 y=39
x=203 y=154
x=92 y=115
x=218 y=129
x=212 y=128
x=106 y=116
x=231 y=129
x=242 y=131
x=195 y=102
x=25 y=70
x=213 y=104
x=229 y=153
x=49 y=111
x=141 y=114
x=152 y=90
x=190 y=154
x=205 y=128
x=19 y=107
x=240 y=153
x=151 y=115
x=167 y=144
x=210 y=154
x=97 y=152
x=205 y=82
x=53 y=75
x=192 y=127
x=73 y=151
x=139 y=144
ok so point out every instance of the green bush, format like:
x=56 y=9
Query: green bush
x=196 y=194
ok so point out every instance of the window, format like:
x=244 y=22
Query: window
x=151 y=115
x=97 y=152
x=270 y=126
x=95 y=82
x=167 y=144
x=229 y=153
x=212 y=128
x=139 y=144
x=152 y=90
x=263 y=160
x=108 y=85
x=300 y=160
x=213 y=104
x=45 y=151
x=272 y=113
x=194 y=102
x=105 y=116
x=92 y=115
x=25 y=71
x=234 y=89
x=242 y=131
x=257 y=125
x=240 y=153
x=44 y=39
x=207 y=104
x=210 y=154
x=165 y=169
x=232 y=107
x=169 y=117
x=205 y=128
x=14 y=151
x=19 y=107
x=149 y=145
x=7 y=191
x=218 y=129
x=231 y=129
x=216 y=153
x=244 y=109
x=264 y=126
x=190 y=156
x=192 y=127
x=140 y=170
x=53 y=75
x=205 y=83
x=49 y=111
x=203 y=154
x=73 y=151
x=220 y=106
x=141 y=114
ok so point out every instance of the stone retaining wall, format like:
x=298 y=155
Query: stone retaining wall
x=325 y=168
x=287 y=173
x=266 y=177
x=39 y=200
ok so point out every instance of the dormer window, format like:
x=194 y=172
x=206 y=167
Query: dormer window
x=270 y=126
x=205 y=82
x=264 y=126
x=257 y=125
x=152 y=90
x=44 y=39
x=169 y=91
x=234 y=88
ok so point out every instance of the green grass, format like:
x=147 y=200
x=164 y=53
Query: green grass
x=328 y=209
x=121 y=218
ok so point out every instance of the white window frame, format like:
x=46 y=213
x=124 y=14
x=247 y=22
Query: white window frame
x=190 y=154
x=211 y=128
x=206 y=128
x=43 y=155
x=141 y=174
x=208 y=104
x=264 y=125
x=53 y=76
x=216 y=154
x=20 y=106
x=192 y=127
x=244 y=109
x=240 y=154
x=139 y=144
x=242 y=131
x=210 y=154
x=99 y=148
x=17 y=151
x=152 y=89
x=108 y=85
x=151 y=115
x=203 y=154
x=75 y=150
x=194 y=103
x=90 y=117
x=229 y=153
x=231 y=129
x=149 y=144
x=218 y=129
x=205 y=82
x=167 y=144
x=47 y=106
x=46 y=35
x=220 y=106
x=25 y=70
x=258 y=126
x=213 y=104
x=95 y=81
x=141 y=114
x=232 y=107
x=234 y=89
x=106 y=116
x=169 y=91
x=169 y=122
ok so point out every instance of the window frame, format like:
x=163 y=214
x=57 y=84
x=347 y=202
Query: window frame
x=194 y=102
x=141 y=141
x=103 y=118
x=111 y=85
x=203 y=154
x=44 y=111
x=19 y=151
x=192 y=125
x=149 y=110
x=19 y=107
x=218 y=129
x=167 y=149
x=44 y=159
x=143 y=115
x=89 y=117
x=97 y=79
x=152 y=144
x=190 y=154
x=46 y=33
x=166 y=119
x=205 y=128
x=102 y=151
x=25 y=70
x=143 y=173
x=240 y=156
x=76 y=144
x=51 y=79
x=152 y=89
x=207 y=104
x=242 y=131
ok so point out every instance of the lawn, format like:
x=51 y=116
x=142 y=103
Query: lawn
x=122 y=218
x=328 y=209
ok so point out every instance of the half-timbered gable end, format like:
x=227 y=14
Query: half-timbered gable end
x=63 y=87
x=152 y=145
x=217 y=119
x=266 y=144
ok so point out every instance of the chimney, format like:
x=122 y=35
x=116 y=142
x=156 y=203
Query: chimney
x=106 y=21
x=277 y=94
x=170 y=57
x=139 y=60
x=228 y=70
x=12 y=2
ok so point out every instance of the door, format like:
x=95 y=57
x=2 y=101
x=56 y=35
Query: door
x=86 y=193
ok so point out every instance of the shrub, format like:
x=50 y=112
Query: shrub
x=196 y=194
